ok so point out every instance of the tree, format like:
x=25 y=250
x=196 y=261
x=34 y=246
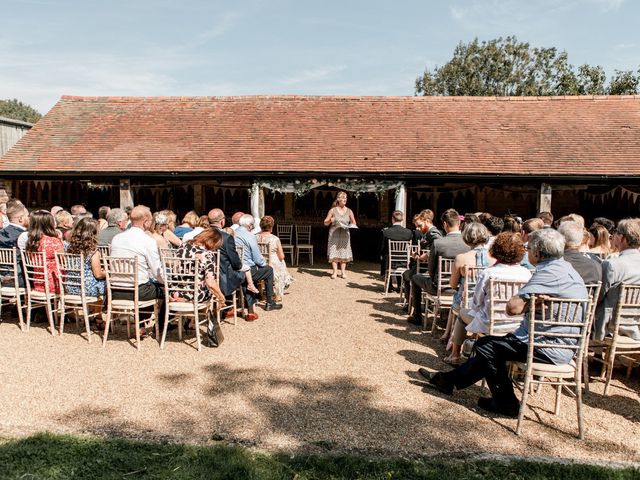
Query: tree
x=503 y=67
x=17 y=110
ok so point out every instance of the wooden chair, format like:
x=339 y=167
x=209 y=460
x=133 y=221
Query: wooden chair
x=165 y=252
x=500 y=292
x=181 y=279
x=10 y=290
x=105 y=250
x=35 y=270
x=285 y=233
x=421 y=268
x=626 y=317
x=551 y=316
x=264 y=251
x=303 y=242
x=122 y=276
x=397 y=262
x=433 y=303
x=594 y=294
x=73 y=293
x=471 y=275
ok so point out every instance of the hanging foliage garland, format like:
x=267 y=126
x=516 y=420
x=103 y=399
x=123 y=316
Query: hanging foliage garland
x=353 y=186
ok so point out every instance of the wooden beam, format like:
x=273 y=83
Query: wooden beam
x=544 y=198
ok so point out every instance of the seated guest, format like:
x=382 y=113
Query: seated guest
x=589 y=269
x=447 y=247
x=4 y=220
x=64 y=224
x=235 y=220
x=507 y=250
x=77 y=210
x=512 y=224
x=429 y=234
x=547 y=219
x=254 y=259
x=599 y=242
x=103 y=213
x=203 y=224
x=136 y=242
x=606 y=223
x=572 y=217
x=475 y=236
x=616 y=271
x=202 y=247
x=43 y=237
x=165 y=230
x=158 y=227
x=231 y=275
x=117 y=220
x=554 y=277
x=189 y=222
x=528 y=227
x=18 y=217
x=281 y=277
x=396 y=232
x=493 y=224
x=84 y=240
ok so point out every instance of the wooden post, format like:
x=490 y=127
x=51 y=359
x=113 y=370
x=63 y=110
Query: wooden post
x=481 y=199
x=288 y=206
x=544 y=199
x=126 y=197
x=384 y=207
x=198 y=198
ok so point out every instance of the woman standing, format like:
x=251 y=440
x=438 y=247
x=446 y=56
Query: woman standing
x=43 y=237
x=339 y=248
x=281 y=277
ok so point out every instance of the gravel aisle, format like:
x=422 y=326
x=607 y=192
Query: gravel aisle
x=335 y=370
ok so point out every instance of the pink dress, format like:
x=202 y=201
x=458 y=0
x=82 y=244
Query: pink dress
x=50 y=245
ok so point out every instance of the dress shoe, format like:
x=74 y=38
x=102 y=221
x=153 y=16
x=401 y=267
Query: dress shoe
x=435 y=380
x=272 y=306
x=251 y=317
x=490 y=405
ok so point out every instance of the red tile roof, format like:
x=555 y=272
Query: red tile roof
x=441 y=135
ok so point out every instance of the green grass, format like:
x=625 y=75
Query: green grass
x=68 y=457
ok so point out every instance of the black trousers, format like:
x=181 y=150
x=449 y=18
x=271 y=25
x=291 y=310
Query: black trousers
x=146 y=291
x=489 y=361
x=260 y=273
x=420 y=282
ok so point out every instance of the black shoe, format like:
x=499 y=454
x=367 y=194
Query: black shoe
x=415 y=321
x=490 y=405
x=435 y=380
x=272 y=306
x=405 y=308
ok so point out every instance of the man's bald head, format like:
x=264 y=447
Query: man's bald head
x=236 y=217
x=216 y=217
x=139 y=215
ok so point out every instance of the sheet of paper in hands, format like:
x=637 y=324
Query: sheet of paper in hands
x=346 y=226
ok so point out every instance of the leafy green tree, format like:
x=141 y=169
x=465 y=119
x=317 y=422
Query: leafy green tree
x=506 y=66
x=17 y=110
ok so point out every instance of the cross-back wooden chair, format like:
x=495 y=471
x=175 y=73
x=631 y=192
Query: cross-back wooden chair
x=181 y=280
x=558 y=323
x=264 y=251
x=397 y=262
x=105 y=250
x=284 y=231
x=624 y=323
x=36 y=271
x=122 y=275
x=421 y=268
x=593 y=289
x=303 y=242
x=10 y=289
x=500 y=292
x=433 y=303
x=165 y=252
x=73 y=292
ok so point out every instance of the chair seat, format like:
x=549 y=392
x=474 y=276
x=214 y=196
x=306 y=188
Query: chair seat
x=623 y=342
x=11 y=291
x=185 y=307
x=77 y=299
x=550 y=370
x=130 y=304
x=35 y=295
x=287 y=245
x=305 y=245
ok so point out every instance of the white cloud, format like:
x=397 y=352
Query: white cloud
x=312 y=75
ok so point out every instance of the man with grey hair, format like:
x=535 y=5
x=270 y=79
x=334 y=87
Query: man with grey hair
x=554 y=277
x=116 y=223
x=616 y=271
x=589 y=269
x=256 y=262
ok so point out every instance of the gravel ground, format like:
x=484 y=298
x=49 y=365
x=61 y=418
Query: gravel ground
x=335 y=370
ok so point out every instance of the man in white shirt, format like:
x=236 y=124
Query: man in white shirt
x=135 y=242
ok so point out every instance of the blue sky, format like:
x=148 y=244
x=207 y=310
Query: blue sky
x=195 y=47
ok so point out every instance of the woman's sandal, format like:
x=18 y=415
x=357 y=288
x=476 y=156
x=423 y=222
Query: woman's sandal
x=454 y=361
x=253 y=289
x=333 y=276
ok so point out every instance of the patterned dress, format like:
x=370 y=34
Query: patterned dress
x=206 y=265
x=281 y=277
x=339 y=247
x=94 y=287
x=49 y=245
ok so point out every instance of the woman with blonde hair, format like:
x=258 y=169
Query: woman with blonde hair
x=340 y=219
x=189 y=222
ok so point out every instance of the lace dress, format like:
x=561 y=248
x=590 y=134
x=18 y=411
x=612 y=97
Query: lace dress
x=339 y=246
x=281 y=277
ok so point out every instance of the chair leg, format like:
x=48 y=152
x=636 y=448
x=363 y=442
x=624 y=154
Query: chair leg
x=136 y=326
x=585 y=372
x=87 y=324
x=558 y=394
x=50 y=317
x=62 y=312
x=579 y=408
x=523 y=402
x=610 y=360
x=196 y=320
x=387 y=278
x=20 y=312
x=164 y=329
x=106 y=328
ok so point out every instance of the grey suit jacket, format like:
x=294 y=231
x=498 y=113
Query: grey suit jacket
x=623 y=269
x=446 y=247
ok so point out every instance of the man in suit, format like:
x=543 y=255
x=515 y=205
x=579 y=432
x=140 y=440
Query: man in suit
x=447 y=247
x=616 y=271
x=396 y=232
x=18 y=216
x=231 y=276
x=589 y=269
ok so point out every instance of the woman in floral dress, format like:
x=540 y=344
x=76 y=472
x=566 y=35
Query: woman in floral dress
x=43 y=237
x=339 y=218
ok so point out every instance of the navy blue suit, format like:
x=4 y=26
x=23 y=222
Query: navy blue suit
x=230 y=264
x=9 y=239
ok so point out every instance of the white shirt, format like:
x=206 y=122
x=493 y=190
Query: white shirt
x=134 y=242
x=481 y=298
x=192 y=234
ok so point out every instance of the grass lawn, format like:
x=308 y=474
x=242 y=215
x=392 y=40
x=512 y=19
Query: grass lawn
x=59 y=456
